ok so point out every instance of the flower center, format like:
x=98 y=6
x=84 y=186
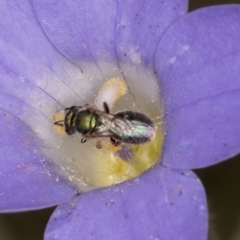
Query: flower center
x=100 y=161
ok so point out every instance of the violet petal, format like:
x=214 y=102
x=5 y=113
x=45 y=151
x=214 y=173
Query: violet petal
x=161 y=204
x=91 y=30
x=28 y=79
x=197 y=63
x=25 y=182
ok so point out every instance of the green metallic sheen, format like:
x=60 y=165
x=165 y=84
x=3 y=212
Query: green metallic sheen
x=85 y=122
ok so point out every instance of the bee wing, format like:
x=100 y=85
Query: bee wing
x=144 y=131
x=137 y=132
x=101 y=131
x=125 y=153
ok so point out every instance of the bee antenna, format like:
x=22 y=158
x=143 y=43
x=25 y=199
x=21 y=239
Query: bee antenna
x=106 y=108
x=59 y=123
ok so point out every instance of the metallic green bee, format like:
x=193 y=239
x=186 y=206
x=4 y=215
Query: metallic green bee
x=123 y=127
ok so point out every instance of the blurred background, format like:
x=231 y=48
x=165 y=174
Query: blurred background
x=220 y=181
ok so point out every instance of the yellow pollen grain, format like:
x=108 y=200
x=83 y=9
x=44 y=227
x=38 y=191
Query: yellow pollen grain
x=119 y=83
x=58 y=117
x=108 y=145
x=115 y=87
x=112 y=169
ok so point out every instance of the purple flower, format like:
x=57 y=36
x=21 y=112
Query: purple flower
x=196 y=61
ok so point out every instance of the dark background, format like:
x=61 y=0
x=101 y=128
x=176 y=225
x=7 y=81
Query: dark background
x=220 y=181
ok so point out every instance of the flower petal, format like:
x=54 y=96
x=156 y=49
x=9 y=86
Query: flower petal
x=91 y=30
x=26 y=181
x=162 y=204
x=29 y=77
x=200 y=79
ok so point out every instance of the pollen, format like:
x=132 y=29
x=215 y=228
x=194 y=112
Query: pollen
x=99 y=161
x=117 y=170
x=58 y=117
x=108 y=145
x=111 y=91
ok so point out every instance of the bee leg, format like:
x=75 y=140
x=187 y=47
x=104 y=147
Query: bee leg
x=99 y=144
x=106 y=108
x=115 y=142
x=59 y=123
x=83 y=140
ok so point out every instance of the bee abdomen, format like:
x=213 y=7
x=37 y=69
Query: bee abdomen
x=133 y=128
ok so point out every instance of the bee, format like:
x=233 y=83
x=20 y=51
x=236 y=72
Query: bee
x=123 y=127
